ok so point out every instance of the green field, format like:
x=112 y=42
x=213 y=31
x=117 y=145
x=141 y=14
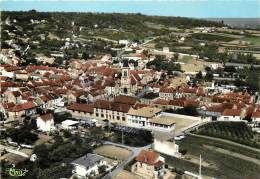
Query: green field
x=185 y=59
x=252 y=40
x=221 y=165
x=212 y=37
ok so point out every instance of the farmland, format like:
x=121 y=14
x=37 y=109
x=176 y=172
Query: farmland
x=235 y=131
x=212 y=37
x=219 y=164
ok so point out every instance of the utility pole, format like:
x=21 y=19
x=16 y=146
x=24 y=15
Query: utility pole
x=122 y=133
x=200 y=169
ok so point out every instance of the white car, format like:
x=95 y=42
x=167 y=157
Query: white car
x=180 y=137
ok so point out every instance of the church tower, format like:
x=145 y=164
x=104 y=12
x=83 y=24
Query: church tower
x=125 y=81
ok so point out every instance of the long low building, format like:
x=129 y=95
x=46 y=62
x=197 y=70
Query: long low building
x=149 y=118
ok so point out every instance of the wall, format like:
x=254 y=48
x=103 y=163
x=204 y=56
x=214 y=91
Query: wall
x=166 y=147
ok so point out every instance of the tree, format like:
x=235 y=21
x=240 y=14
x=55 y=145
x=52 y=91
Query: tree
x=102 y=169
x=85 y=56
x=209 y=76
x=199 y=75
x=75 y=54
x=67 y=134
x=253 y=80
x=22 y=135
x=42 y=152
x=176 y=56
x=58 y=61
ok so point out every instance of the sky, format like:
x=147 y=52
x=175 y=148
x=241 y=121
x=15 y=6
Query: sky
x=185 y=8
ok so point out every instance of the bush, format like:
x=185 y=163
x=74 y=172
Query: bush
x=67 y=134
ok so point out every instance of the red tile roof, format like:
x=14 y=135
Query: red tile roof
x=231 y=112
x=8 y=105
x=82 y=107
x=256 y=114
x=191 y=102
x=113 y=106
x=177 y=102
x=46 y=117
x=167 y=90
x=148 y=157
x=161 y=102
x=22 y=107
x=139 y=105
x=125 y=100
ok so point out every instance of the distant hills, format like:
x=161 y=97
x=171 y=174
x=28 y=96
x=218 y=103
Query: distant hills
x=239 y=22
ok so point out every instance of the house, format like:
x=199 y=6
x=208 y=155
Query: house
x=161 y=103
x=22 y=110
x=148 y=98
x=69 y=124
x=256 y=117
x=45 y=123
x=112 y=111
x=4 y=110
x=87 y=165
x=13 y=97
x=167 y=93
x=140 y=117
x=231 y=115
x=161 y=123
x=149 y=164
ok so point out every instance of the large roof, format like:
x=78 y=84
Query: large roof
x=231 y=112
x=162 y=120
x=148 y=157
x=87 y=160
x=144 y=112
x=81 y=107
x=24 y=106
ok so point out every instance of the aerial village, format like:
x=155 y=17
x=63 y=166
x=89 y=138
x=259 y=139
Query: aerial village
x=135 y=111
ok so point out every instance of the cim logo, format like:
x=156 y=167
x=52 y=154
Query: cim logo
x=16 y=172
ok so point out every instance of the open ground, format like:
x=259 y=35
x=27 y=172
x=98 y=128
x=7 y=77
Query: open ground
x=113 y=152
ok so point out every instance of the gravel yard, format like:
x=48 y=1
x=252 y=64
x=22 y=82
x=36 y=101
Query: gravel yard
x=113 y=152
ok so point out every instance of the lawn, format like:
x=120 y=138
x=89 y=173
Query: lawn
x=113 y=152
x=221 y=165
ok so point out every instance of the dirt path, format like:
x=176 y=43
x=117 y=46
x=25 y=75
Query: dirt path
x=225 y=141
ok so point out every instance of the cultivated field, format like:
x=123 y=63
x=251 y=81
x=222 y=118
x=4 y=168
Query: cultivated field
x=113 y=152
x=220 y=160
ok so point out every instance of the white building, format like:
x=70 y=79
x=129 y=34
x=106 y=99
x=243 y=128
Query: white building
x=230 y=115
x=45 y=123
x=150 y=118
x=88 y=165
x=69 y=124
x=124 y=42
